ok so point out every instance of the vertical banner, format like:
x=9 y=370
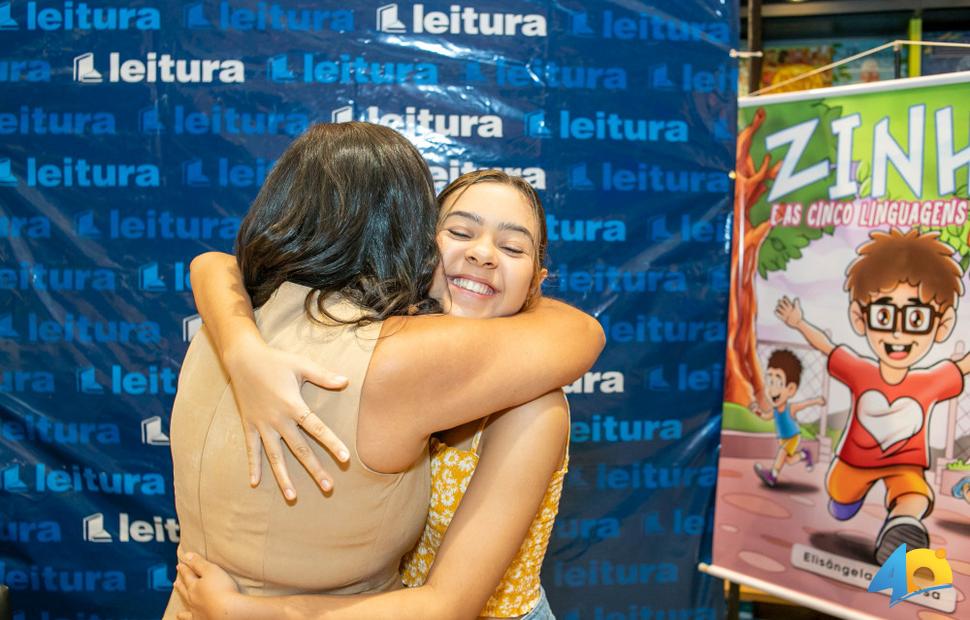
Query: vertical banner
x=846 y=428
x=135 y=137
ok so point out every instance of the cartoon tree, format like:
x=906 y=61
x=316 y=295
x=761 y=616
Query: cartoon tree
x=760 y=247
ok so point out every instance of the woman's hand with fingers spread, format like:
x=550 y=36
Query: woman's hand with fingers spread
x=266 y=384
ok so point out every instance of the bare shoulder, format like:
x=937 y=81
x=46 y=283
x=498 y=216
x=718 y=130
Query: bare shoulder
x=543 y=421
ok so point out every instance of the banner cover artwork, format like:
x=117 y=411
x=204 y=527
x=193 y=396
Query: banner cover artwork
x=846 y=429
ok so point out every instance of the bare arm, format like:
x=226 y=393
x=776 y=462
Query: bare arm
x=223 y=302
x=805 y=404
x=498 y=363
x=523 y=448
x=790 y=313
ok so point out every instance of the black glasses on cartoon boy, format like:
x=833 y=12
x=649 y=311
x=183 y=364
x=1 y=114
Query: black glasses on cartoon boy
x=917 y=318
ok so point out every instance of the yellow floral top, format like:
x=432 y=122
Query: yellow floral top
x=451 y=471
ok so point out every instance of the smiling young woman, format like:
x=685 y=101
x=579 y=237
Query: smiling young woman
x=492 y=243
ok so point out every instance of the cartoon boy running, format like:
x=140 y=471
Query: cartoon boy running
x=903 y=293
x=784 y=376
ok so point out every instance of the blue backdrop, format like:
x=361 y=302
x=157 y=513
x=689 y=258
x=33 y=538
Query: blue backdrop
x=135 y=138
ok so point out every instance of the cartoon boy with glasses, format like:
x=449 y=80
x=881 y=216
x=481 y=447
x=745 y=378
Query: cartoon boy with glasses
x=903 y=294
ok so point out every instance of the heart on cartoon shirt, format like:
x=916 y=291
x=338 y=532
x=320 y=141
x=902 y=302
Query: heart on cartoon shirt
x=887 y=422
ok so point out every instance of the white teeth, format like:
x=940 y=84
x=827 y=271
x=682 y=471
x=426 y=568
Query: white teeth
x=471 y=285
x=897 y=347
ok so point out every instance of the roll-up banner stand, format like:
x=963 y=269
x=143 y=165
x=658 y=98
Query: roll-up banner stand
x=134 y=136
x=846 y=428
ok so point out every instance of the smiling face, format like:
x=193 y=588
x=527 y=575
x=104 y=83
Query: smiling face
x=895 y=342
x=779 y=389
x=487 y=238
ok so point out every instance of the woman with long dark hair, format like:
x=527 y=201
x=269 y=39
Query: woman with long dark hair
x=410 y=373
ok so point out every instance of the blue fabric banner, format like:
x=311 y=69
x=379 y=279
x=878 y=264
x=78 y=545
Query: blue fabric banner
x=134 y=137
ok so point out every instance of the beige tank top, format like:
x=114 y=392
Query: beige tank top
x=347 y=543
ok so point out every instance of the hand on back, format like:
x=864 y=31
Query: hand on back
x=266 y=383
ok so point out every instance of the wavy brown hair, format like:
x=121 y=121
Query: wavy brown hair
x=457 y=187
x=919 y=259
x=348 y=209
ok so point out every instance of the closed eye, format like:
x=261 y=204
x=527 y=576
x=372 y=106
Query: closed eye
x=513 y=250
x=459 y=233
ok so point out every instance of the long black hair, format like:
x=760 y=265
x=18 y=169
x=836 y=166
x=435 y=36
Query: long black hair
x=348 y=208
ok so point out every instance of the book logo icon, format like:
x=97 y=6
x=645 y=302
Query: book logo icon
x=94 y=529
x=342 y=115
x=84 y=71
x=388 y=21
x=535 y=125
x=11 y=479
x=279 y=70
x=7 y=22
x=85 y=226
x=579 y=178
x=149 y=278
x=7 y=177
x=193 y=16
x=151 y=432
x=158 y=579
x=7 y=330
x=193 y=175
x=87 y=381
